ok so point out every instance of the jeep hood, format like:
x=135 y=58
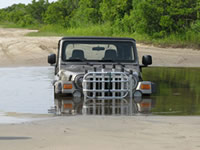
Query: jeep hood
x=74 y=70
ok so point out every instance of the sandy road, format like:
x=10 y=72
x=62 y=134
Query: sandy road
x=19 y=50
x=107 y=133
x=172 y=57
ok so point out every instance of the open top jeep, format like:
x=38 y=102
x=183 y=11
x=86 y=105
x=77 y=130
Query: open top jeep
x=98 y=68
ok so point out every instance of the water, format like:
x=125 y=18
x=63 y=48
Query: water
x=26 y=90
x=178 y=90
x=29 y=90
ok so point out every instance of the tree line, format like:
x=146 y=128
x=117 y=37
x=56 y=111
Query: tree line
x=156 y=18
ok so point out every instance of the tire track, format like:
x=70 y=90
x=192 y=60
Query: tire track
x=47 y=49
x=5 y=49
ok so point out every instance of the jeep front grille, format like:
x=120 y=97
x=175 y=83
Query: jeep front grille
x=106 y=85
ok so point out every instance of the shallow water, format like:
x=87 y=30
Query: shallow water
x=29 y=90
x=178 y=90
x=26 y=89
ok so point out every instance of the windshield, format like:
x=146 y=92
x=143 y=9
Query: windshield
x=99 y=51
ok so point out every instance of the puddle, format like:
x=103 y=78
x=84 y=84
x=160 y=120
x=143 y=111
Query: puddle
x=4 y=119
x=26 y=90
x=111 y=107
x=29 y=90
x=178 y=93
x=178 y=90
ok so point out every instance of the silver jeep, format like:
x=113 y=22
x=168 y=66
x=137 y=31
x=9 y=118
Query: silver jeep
x=98 y=68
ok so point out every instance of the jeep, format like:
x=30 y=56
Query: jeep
x=98 y=68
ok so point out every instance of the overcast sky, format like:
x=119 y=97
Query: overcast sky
x=6 y=3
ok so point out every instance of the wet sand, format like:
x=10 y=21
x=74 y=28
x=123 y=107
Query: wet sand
x=93 y=132
x=108 y=133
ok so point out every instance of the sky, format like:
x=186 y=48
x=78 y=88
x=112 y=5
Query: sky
x=6 y=3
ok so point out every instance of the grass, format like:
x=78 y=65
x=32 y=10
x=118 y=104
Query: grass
x=186 y=40
x=57 y=30
x=13 y=25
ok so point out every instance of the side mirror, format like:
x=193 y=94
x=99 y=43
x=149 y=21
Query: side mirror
x=147 y=60
x=52 y=59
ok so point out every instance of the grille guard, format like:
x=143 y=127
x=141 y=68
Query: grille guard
x=107 y=85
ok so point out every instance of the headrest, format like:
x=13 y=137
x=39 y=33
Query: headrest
x=110 y=54
x=77 y=53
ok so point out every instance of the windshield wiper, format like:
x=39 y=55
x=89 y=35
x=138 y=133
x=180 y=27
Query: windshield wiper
x=75 y=59
x=106 y=60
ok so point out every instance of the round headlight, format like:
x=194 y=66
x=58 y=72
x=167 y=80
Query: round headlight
x=134 y=81
x=77 y=94
x=138 y=96
x=79 y=81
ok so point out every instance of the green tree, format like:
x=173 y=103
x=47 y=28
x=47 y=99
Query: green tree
x=87 y=13
x=163 y=17
x=55 y=14
x=2 y=15
x=114 y=9
x=13 y=13
x=60 y=12
x=37 y=9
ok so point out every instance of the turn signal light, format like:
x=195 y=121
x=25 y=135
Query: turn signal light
x=68 y=106
x=145 y=86
x=67 y=86
x=145 y=104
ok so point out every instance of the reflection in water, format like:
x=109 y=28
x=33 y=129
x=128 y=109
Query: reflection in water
x=108 y=107
x=103 y=107
x=178 y=93
x=29 y=90
x=178 y=90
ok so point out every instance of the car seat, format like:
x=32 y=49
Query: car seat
x=110 y=54
x=78 y=54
